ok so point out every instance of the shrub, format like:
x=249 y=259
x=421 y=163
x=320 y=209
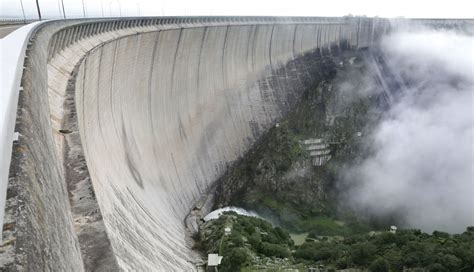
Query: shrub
x=394 y=258
x=436 y=267
x=268 y=249
x=470 y=229
x=379 y=265
x=319 y=251
x=236 y=239
x=254 y=241
x=343 y=263
x=452 y=263
x=386 y=238
x=236 y=259
x=283 y=235
x=362 y=253
x=440 y=234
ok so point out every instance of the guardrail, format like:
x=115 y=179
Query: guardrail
x=72 y=34
x=4 y=21
x=12 y=56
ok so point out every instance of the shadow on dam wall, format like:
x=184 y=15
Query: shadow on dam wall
x=125 y=124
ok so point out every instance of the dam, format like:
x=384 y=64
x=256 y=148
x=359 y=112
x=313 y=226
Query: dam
x=124 y=125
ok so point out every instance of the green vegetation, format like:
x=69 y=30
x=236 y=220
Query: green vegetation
x=394 y=252
x=255 y=244
x=379 y=265
x=249 y=237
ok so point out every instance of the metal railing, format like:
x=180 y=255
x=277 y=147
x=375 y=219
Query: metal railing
x=11 y=21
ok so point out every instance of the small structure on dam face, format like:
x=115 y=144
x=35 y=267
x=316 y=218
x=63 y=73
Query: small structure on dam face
x=213 y=260
x=319 y=151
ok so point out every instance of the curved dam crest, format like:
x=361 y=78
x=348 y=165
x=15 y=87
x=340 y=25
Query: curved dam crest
x=133 y=120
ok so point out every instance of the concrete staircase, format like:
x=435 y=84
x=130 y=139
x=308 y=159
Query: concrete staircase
x=318 y=150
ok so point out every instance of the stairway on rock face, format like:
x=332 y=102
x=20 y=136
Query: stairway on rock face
x=318 y=150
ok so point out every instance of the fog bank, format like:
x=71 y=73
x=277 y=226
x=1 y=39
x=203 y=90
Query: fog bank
x=421 y=153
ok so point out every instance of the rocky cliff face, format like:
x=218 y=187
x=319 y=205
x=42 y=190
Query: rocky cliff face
x=291 y=172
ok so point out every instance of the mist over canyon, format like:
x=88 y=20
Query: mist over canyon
x=420 y=154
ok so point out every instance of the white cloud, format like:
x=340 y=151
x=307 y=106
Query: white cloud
x=423 y=159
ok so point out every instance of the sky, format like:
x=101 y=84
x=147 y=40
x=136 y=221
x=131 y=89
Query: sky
x=115 y=8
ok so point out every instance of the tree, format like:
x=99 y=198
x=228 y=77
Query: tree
x=270 y=250
x=379 y=265
x=394 y=258
x=236 y=259
x=362 y=253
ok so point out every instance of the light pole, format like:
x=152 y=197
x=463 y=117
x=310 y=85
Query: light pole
x=39 y=11
x=120 y=8
x=83 y=8
x=102 y=6
x=23 y=11
x=59 y=9
x=163 y=8
x=64 y=12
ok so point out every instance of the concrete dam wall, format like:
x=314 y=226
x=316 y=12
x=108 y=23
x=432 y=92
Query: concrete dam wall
x=125 y=125
x=162 y=114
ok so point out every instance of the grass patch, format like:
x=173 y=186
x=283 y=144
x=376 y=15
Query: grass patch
x=323 y=226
